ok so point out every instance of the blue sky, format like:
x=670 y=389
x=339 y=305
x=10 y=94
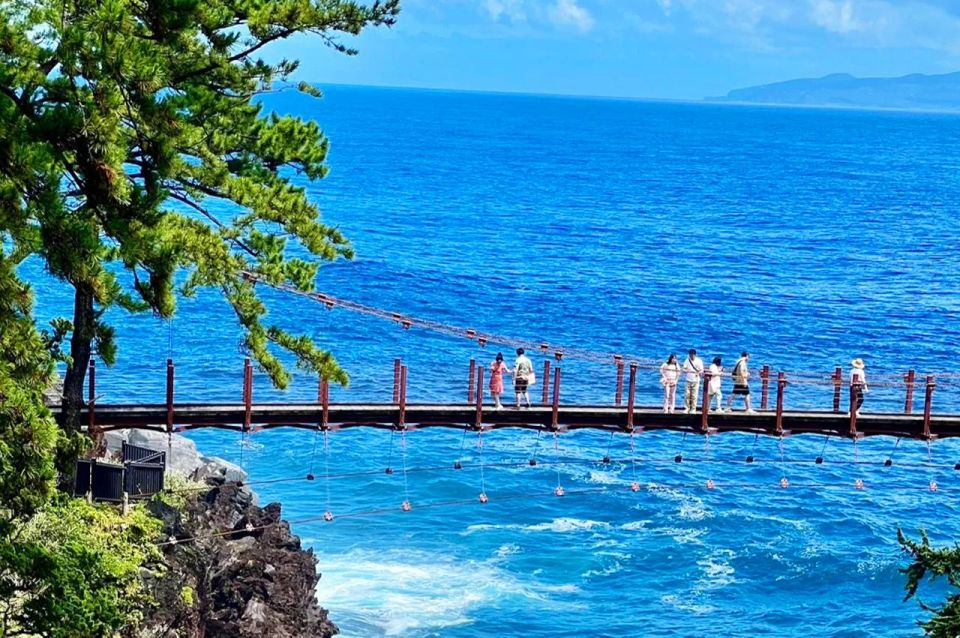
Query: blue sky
x=676 y=49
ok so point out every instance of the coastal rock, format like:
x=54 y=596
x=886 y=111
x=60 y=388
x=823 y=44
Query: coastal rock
x=236 y=571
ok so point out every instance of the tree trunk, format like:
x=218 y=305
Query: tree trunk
x=84 y=322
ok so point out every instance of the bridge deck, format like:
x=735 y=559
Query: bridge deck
x=310 y=415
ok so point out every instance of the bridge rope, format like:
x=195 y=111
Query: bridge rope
x=878 y=378
x=709 y=485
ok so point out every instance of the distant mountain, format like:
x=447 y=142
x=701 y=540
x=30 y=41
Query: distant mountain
x=915 y=91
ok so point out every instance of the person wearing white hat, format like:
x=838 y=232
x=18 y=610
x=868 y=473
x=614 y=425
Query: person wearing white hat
x=858 y=379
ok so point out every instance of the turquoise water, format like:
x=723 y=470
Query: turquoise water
x=808 y=237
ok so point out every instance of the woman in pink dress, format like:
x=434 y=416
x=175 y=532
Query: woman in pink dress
x=497 y=369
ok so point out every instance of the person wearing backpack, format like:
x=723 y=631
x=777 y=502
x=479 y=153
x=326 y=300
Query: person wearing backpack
x=741 y=383
x=523 y=377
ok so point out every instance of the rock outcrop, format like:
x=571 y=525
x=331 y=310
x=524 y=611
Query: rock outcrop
x=235 y=571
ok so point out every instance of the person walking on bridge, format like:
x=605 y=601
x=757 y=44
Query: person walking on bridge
x=693 y=370
x=669 y=375
x=716 y=385
x=522 y=377
x=497 y=369
x=741 y=383
x=858 y=379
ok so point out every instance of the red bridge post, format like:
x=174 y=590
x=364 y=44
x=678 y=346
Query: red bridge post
x=764 y=386
x=910 y=378
x=837 y=383
x=630 y=396
x=546 y=382
x=618 y=398
x=479 y=422
x=706 y=402
x=247 y=394
x=854 y=387
x=92 y=395
x=403 y=397
x=396 y=380
x=781 y=387
x=470 y=378
x=325 y=402
x=169 y=395
x=554 y=421
x=928 y=405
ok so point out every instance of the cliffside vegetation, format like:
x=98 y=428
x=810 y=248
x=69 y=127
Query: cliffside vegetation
x=124 y=126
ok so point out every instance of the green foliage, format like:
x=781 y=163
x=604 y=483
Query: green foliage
x=933 y=563
x=132 y=148
x=178 y=489
x=74 y=571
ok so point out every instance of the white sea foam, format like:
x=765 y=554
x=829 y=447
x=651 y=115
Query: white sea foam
x=557 y=525
x=396 y=592
x=687 y=604
x=716 y=569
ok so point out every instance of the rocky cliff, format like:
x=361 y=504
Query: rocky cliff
x=230 y=569
x=235 y=571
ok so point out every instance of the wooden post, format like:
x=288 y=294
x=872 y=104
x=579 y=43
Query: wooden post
x=403 y=397
x=479 y=421
x=837 y=383
x=631 y=389
x=853 y=408
x=764 y=386
x=781 y=388
x=169 y=395
x=618 y=398
x=92 y=395
x=910 y=378
x=928 y=405
x=556 y=399
x=470 y=379
x=247 y=394
x=396 y=380
x=706 y=402
x=546 y=382
x=325 y=401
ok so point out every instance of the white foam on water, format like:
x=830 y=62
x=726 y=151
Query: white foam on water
x=690 y=507
x=683 y=535
x=399 y=592
x=557 y=525
x=635 y=526
x=686 y=604
x=563 y=525
x=716 y=569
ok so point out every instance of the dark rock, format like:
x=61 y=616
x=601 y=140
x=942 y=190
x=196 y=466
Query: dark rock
x=235 y=572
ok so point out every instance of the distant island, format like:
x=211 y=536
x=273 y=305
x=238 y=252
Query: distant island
x=912 y=92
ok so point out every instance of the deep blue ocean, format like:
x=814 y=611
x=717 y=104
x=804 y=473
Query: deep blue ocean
x=808 y=237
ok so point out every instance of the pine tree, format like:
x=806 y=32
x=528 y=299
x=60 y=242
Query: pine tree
x=124 y=126
x=933 y=563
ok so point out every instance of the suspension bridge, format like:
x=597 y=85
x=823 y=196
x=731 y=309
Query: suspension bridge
x=472 y=412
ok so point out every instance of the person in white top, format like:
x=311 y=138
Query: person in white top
x=716 y=381
x=693 y=370
x=669 y=375
x=858 y=379
x=523 y=377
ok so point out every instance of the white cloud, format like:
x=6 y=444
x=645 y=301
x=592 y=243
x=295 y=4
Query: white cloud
x=836 y=16
x=509 y=10
x=569 y=13
x=666 y=5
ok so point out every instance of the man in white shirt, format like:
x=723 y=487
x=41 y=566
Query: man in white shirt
x=693 y=371
x=522 y=377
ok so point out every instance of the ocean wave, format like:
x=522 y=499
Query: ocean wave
x=405 y=593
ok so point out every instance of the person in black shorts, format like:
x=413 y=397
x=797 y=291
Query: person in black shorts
x=741 y=383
